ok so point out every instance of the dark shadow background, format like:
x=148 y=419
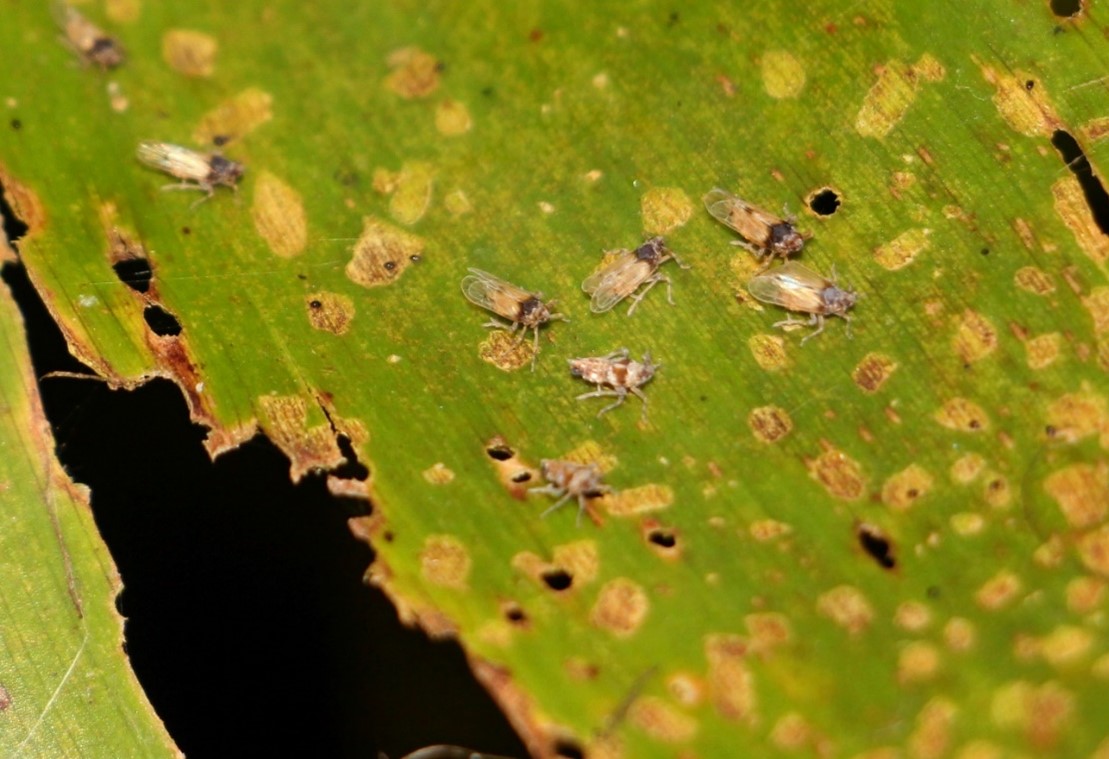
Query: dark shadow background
x=247 y=621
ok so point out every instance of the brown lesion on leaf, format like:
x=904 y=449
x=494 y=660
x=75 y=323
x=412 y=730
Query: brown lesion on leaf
x=516 y=475
x=190 y=52
x=917 y=662
x=452 y=118
x=382 y=253
x=235 y=117
x=1075 y=416
x=329 y=312
x=26 y=206
x=996 y=491
x=661 y=721
x=999 y=591
x=445 y=561
x=839 y=474
x=765 y=530
x=1071 y=205
x=873 y=371
x=769 y=351
x=284 y=418
x=769 y=424
x=768 y=631
x=890 y=96
x=1093 y=550
x=962 y=415
x=664 y=209
x=1042 y=351
x=1040 y=712
x=621 y=607
x=506 y=351
x=931 y=739
x=975 y=336
x=906 y=487
x=413 y=73
x=278 y=214
x=731 y=683
x=438 y=474
x=902 y=250
x=1097 y=304
x=1085 y=595
x=572 y=566
x=1028 y=111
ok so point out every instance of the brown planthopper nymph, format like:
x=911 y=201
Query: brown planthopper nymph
x=197 y=171
x=86 y=39
x=764 y=234
x=522 y=308
x=569 y=479
x=626 y=273
x=615 y=375
x=798 y=288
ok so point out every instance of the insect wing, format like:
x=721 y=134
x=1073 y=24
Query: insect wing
x=739 y=215
x=792 y=286
x=493 y=293
x=721 y=205
x=615 y=282
x=174 y=159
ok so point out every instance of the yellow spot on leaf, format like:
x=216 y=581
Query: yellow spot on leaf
x=621 y=607
x=639 y=500
x=783 y=76
x=235 y=117
x=903 y=489
x=847 y=607
x=873 y=371
x=932 y=736
x=1034 y=280
x=996 y=491
x=967 y=467
x=902 y=250
x=975 y=336
x=1039 y=712
x=438 y=474
x=452 y=118
x=445 y=561
x=457 y=203
x=840 y=474
x=768 y=630
x=912 y=616
x=1095 y=129
x=1042 y=351
x=1071 y=205
x=962 y=415
x=730 y=680
x=960 y=634
x=579 y=559
x=769 y=423
x=764 y=530
x=890 y=97
x=1066 y=645
x=1075 y=416
x=664 y=209
x=412 y=195
x=123 y=11
x=687 y=689
x=1085 y=594
x=791 y=732
x=329 y=312
x=190 y=52
x=414 y=73
x=382 y=253
x=590 y=452
x=1026 y=111
x=1097 y=303
x=1082 y=492
x=506 y=351
x=967 y=523
x=998 y=591
x=1093 y=550
x=278 y=215
x=918 y=662
x=661 y=721
x=769 y=352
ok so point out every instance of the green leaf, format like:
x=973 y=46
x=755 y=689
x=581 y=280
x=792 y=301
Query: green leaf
x=896 y=540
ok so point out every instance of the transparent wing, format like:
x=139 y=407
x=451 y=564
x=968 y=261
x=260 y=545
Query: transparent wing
x=721 y=204
x=493 y=293
x=790 y=285
x=615 y=282
x=173 y=159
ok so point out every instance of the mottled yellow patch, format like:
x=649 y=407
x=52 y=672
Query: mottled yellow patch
x=1050 y=553
x=769 y=352
x=1066 y=645
x=769 y=424
x=235 y=117
x=996 y=491
x=638 y=500
x=902 y=250
x=329 y=312
x=1071 y=205
x=975 y=336
x=873 y=371
x=847 y=607
x=1095 y=129
x=580 y=559
x=1082 y=492
x=506 y=351
x=452 y=118
x=1085 y=594
x=768 y=630
x=962 y=415
x=190 y=52
x=918 y=662
x=999 y=591
x=1034 y=280
x=382 y=253
x=284 y=418
x=661 y=721
x=445 y=561
x=496 y=632
x=620 y=608
x=664 y=209
x=967 y=523
x=841 y=475
x=730 y=680
x=591 y=452
x=903 y=489
x=931 y=737
x=278 y=215
x=791 y=732
x=980 y=749
x=1097 y=303
x=1093 y=550
x=960 y=634
x=413 y=73
x=1042 y=351
x=783 y=76
x=412 y=194
x=1025 y=111
x=764 y=530
x=967 y=467
x=912 y=616
x=457 y=203
x=1075 y=416
x=438 y=474
x=1025 y=233
x=1039 y=712
x=123 y=11
x=889 y=98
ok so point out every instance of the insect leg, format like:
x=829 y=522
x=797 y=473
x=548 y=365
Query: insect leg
x=557 y=504
x=643 y=397
x=494 y=324
x=847 y=328
x=818 y=320
x=535 y=349
x=622 y=353
x=653 y=280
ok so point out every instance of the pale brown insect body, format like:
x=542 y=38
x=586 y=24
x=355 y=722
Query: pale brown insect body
x=798 y=288
x=522 y=308
x=615 y=375
x=568 y=479
x=197 y=171
x=86 y=39
x=628 y=271
x=764 y=234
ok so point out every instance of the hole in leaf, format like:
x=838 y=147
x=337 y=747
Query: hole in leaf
x=351 y=468
x=1075 y=159
x=558 y=579
x=135 y=273
x=17 y=124
x=569 y=749
x=514 y=614
x=521 y=476
x=1066 y=8
x=877 y=545
x=161 y=322
x=662 y=538
x=500 y=452
x=14 y=228
x=825 y=202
